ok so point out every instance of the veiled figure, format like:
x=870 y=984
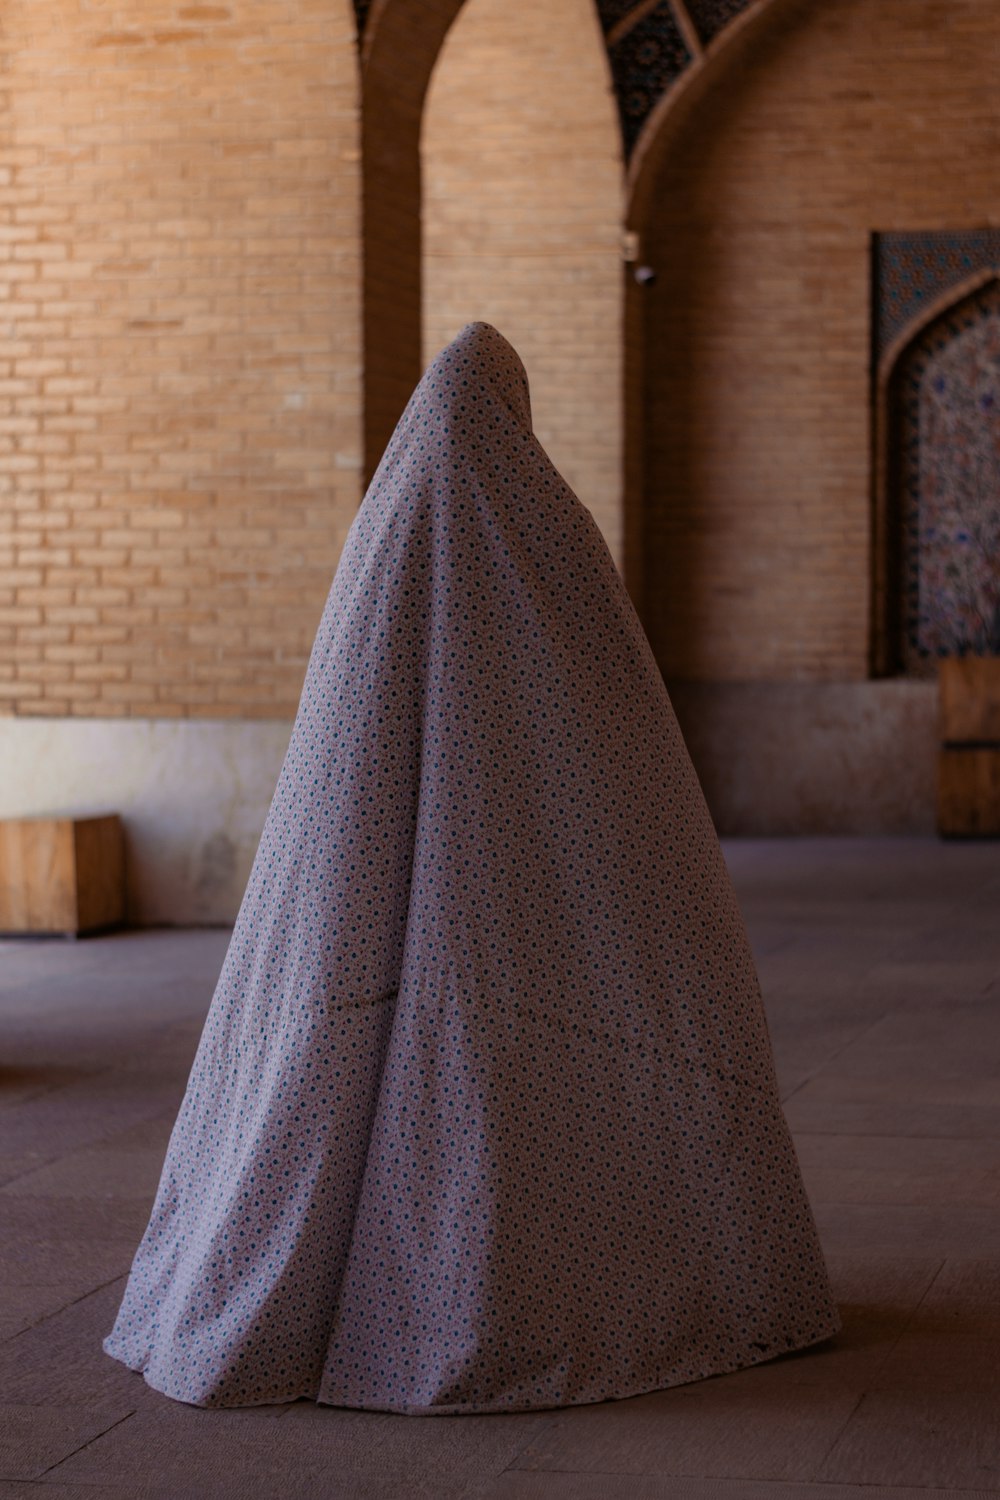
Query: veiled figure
x=484 y=1114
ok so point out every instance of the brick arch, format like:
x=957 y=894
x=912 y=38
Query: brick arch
x=656 y=50
x=522 y=202
x=698 y=40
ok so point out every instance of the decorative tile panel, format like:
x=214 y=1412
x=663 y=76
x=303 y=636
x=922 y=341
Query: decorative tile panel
x=947 y=426
x=912 y=268
x=644 y=63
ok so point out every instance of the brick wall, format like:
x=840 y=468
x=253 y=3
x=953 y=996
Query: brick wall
x=846 y=117
x=522 y=212
x=180 y=350
x=180 y=293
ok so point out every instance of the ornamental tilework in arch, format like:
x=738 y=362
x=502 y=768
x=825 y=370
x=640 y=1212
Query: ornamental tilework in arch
x=947 y=431
x=644 y=64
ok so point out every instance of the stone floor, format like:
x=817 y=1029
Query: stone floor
x=881 y=970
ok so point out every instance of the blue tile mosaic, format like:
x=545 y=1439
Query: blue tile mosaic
x=912 y=268
x=644 y=63
x=946 y=437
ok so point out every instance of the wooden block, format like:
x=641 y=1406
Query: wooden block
x=37 y=875
x=61 y=874
x=969 y=792
x=100 y=872
x=969 y=689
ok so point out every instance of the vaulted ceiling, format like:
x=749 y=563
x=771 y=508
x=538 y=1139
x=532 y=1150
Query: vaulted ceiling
x=650 y=44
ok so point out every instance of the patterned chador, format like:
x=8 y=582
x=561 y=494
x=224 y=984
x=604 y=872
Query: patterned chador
x=484 y=1115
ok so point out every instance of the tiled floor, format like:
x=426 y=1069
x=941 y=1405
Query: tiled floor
x=881 y=970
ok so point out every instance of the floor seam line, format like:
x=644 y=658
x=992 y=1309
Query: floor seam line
x=71 y=1303
x=96 y=1437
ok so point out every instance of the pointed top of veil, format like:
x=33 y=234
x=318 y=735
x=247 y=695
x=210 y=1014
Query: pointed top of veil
x=480 y=366
x=474 y=391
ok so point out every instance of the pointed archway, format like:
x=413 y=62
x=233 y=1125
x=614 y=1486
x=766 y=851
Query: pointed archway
x=522 y=182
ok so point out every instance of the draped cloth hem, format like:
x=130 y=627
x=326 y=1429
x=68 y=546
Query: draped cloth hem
x=745 y=1360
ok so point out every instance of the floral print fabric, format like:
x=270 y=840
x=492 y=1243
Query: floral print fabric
x=483 y=1117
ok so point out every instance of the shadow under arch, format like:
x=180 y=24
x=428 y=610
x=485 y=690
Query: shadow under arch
x=402 y=40
x=888 y=521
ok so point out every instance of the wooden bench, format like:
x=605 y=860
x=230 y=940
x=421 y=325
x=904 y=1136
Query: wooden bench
x=61 y=874
x=969 y=759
